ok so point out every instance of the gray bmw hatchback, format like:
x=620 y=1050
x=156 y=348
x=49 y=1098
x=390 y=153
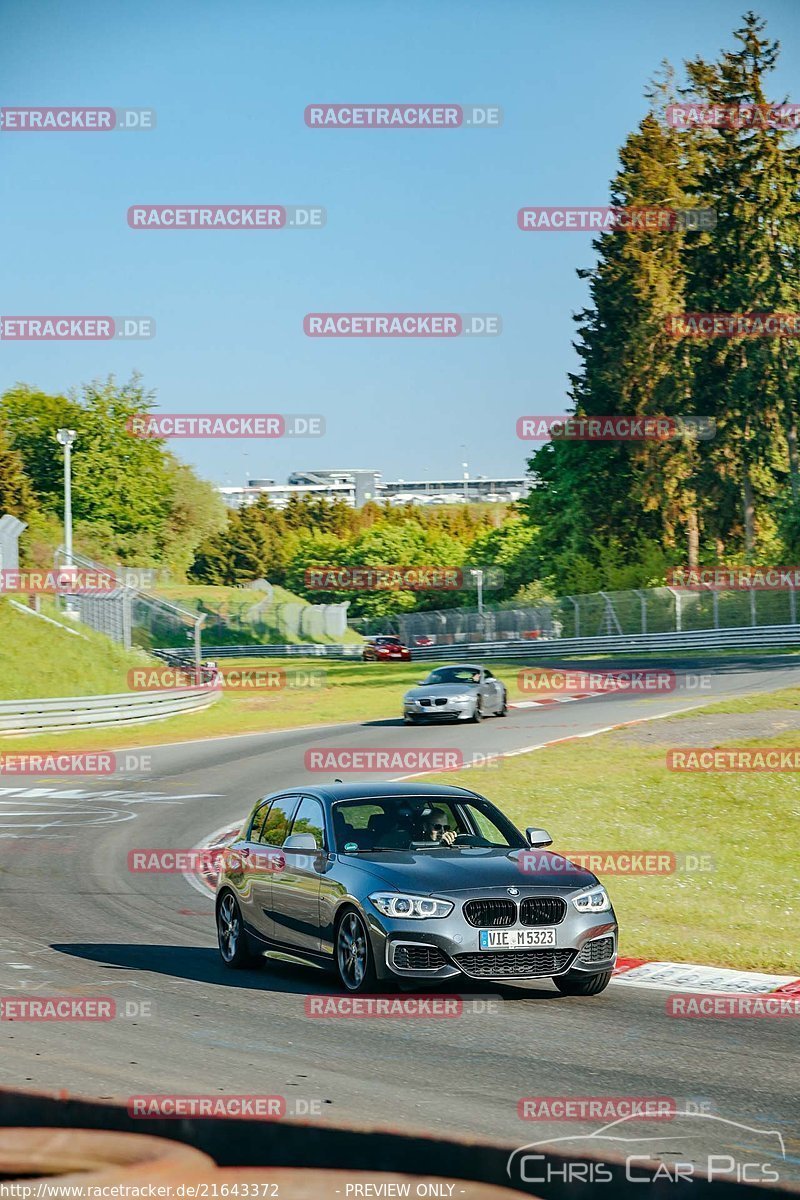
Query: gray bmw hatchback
x=395 y=882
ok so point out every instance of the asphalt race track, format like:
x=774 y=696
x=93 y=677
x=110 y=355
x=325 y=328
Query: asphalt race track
x=76 y=921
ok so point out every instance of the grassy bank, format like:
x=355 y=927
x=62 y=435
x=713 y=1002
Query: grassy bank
x=339 y=692
x=39 y=659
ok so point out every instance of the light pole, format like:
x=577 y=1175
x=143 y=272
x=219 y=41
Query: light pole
x=465 y=467
x=66 y=437
x=477 y=575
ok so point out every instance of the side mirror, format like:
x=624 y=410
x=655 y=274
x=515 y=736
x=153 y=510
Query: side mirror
x=420 y=682
x=300 y=841
x=538 y=837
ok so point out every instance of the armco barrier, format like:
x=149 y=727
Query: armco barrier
x=124 y=708
x=748 y=637
x=308 y=1150
x=179 y=654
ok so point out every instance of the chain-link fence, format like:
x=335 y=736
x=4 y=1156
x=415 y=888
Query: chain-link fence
x=271 y=621
x=134 y=617
x=596 y=614
x=127 y=614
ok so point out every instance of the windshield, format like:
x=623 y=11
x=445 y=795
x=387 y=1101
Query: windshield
x=466 y=675
x=421 y=823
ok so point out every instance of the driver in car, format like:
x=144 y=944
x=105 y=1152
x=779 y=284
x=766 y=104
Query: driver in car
x=437 y=828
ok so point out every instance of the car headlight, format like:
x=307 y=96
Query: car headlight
x=398 y=904
x=593 y=899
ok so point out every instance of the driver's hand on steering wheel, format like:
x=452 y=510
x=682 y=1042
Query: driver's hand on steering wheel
x=449 y=837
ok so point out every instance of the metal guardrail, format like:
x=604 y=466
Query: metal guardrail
x=177 y=654
x=123 y=708
x=747 y=637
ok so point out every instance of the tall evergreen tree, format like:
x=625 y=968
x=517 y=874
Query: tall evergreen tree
x=750 y=174
x=686 y=499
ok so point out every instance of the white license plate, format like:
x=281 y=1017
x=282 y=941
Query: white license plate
x=515 y=939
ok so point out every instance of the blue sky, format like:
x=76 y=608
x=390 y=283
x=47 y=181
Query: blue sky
x=417 y=220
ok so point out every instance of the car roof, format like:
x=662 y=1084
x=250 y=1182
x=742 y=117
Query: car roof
x=373 y=791
x=463 y=666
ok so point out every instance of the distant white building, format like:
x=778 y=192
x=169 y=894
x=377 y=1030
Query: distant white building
x=358 y=485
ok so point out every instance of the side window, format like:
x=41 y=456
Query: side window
x=309 y=819
x=257 y=822
x=488 y=675
x=279 y=818
x=486 y=827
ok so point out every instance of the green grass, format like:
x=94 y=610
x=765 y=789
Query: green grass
x=352 y=691
x=37 y=659
x=610 y=793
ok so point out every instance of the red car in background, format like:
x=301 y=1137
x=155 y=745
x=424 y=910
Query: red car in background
x=386 y=649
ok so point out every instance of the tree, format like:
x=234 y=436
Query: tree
x=132 y=501
x=615 y=511
x=16 y=494
x=751 y=173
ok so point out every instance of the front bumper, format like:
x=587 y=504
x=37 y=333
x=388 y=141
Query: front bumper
x=451 y=710
x=444 y=948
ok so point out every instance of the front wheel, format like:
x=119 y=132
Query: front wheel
x=231 y=936
x=503 y=709
x=576 y=983
x=354 y=962
x=478 y=713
